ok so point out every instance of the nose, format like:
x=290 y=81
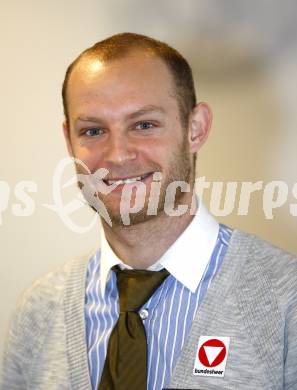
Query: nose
x=119 y=150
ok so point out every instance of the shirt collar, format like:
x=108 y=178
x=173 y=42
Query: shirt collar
x=186 y=259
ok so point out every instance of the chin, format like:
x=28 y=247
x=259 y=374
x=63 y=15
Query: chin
x=130 y=219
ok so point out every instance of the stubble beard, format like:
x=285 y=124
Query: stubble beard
x=179 y=170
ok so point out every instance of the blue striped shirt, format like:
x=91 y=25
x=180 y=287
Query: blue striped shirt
x=170 y=310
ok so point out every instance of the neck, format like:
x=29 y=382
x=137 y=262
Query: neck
x=142 y=244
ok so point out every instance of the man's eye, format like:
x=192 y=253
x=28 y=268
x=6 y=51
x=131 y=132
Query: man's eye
x=144 y=125
x=93 y=131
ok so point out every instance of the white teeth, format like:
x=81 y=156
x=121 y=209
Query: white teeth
x=124 y=181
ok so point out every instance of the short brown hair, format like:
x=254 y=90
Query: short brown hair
x=119 y=45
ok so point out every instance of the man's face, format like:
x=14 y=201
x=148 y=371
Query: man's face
x=124 y=116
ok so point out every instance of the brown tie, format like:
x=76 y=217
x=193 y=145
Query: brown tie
x=125 y=365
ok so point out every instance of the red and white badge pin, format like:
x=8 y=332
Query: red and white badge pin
x=211 y=356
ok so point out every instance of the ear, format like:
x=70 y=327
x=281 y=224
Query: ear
x=66 y=131
x=199 y=126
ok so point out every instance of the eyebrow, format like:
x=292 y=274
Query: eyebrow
x=142 y=111
x=146 y=110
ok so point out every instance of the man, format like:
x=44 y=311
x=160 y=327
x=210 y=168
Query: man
x=223 y=314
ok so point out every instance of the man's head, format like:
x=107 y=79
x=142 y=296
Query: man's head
x=127 y=111
x=120 y=45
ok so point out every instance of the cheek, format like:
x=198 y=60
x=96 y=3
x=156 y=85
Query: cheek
x=154 y=151
x=88 y=155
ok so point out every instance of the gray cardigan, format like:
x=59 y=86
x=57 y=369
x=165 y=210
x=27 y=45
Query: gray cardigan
x=253 y=300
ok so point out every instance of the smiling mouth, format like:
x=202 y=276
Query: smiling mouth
x=129 y=180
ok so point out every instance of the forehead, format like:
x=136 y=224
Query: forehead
x=139 y=76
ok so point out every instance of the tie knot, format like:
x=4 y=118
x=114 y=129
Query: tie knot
x=136 y=286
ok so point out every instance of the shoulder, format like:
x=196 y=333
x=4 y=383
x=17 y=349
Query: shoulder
x=273 y=264
x=45 y=296
x=47 y=288
x=277 y=260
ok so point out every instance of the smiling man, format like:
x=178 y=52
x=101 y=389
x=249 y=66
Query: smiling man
x=171 y=299
x=123 y=114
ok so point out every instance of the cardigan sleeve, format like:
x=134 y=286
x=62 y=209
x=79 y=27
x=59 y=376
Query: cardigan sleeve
x=290 y=347
x=15 y=353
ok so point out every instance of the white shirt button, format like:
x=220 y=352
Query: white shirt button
x=143 y=314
